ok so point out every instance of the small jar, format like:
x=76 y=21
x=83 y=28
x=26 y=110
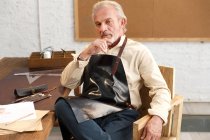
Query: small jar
x=47 y=54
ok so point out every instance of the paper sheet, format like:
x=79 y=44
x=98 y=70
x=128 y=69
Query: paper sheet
x=17 y=111
x=24 y=125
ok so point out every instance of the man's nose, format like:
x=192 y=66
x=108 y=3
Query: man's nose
x=103 y=27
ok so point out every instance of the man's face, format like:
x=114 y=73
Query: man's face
x=108 y=24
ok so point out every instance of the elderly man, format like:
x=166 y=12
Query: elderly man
x=112 y=70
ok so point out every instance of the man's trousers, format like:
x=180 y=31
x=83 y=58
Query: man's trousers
x=116 y=126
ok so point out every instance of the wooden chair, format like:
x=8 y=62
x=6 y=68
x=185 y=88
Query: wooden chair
x=171 y=131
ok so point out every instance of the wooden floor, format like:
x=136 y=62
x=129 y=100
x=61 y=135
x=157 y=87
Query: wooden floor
x=56 y=135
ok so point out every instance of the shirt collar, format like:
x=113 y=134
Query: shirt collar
x=121 y=40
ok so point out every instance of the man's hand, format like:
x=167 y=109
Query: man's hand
x=153 y=129
x=97 y=46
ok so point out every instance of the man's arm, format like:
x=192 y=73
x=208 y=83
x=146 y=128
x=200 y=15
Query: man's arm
x=71 y=75
x=160 y=94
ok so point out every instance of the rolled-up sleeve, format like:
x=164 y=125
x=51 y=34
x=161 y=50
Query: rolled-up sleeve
x=159 y=91
x=72 y=73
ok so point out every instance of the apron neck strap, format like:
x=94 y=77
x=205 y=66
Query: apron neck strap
x=114 y=69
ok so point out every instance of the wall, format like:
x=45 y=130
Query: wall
x=31 y=25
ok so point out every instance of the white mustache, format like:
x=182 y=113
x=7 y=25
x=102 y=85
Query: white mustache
x=104 y=34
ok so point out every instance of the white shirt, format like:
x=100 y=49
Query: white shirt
x=140 y=68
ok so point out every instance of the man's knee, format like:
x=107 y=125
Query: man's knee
x=60 y=105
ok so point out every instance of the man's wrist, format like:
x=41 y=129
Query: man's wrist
x=81 y=58
x=158 y=118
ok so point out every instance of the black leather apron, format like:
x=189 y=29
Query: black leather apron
x=105 y=88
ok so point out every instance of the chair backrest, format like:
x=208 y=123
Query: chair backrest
x=168 y=75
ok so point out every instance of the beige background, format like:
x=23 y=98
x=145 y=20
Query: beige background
x=153 y=19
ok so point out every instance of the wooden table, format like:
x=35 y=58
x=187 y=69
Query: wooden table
x=7 y=66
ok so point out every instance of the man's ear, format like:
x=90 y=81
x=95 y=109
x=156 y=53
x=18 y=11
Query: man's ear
x=123 y=22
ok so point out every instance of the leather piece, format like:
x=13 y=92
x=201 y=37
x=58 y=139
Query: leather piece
x=89 y=109
x=101 y=85
x=105 y=88
x=103 y=93
x=22 y=92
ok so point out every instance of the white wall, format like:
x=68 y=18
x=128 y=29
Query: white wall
x=31 y=25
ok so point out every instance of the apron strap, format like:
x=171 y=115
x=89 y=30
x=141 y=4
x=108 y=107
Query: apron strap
x=114 y=69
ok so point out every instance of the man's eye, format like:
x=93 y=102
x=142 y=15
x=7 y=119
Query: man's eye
x=97 y=24
x=108 y=22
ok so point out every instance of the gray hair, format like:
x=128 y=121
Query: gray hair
x=107 y=3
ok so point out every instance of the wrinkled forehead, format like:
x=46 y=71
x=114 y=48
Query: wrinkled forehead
x=104 y=13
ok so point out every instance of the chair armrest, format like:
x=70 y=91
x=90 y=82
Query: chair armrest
x=66 y=91
x=77 y=91
x=176 y=108
x=139 y=125
x=177 y=100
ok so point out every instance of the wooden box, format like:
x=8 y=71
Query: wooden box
x=59 y=59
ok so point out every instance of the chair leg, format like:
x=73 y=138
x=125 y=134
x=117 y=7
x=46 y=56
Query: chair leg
x=177 y=120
